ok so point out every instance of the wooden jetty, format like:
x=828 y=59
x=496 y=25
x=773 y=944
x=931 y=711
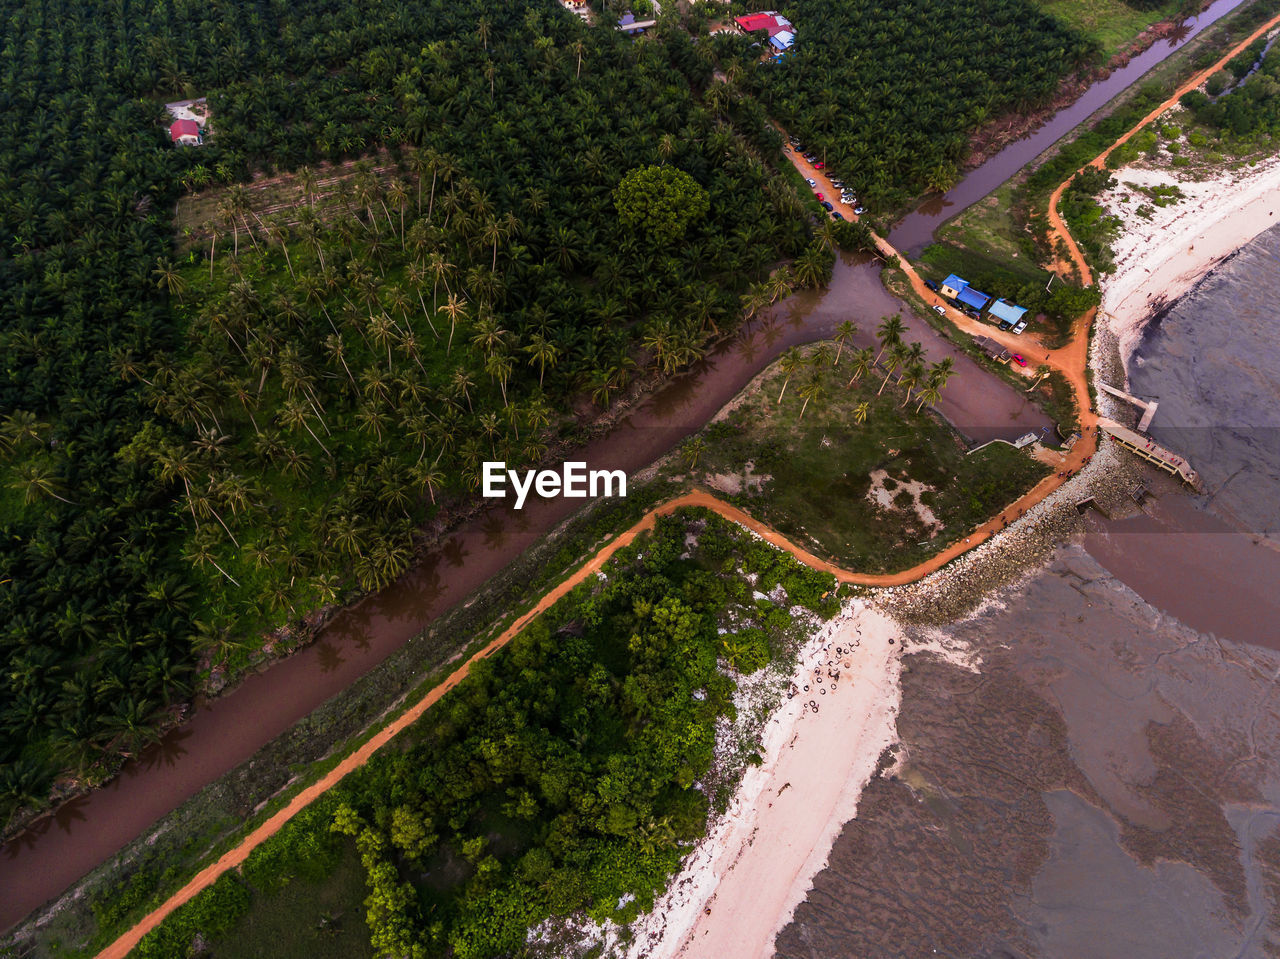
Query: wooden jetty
x=1148 y=449
x=1148 y=408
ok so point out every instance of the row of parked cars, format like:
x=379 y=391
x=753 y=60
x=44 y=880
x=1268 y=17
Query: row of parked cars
x=846 y=195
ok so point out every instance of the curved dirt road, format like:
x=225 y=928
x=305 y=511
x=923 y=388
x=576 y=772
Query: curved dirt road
x=1071 y=360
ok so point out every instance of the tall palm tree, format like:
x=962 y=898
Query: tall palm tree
x=692 y=451
x=813 y=389
x=542 y=352
x=863 y=361
x=912 y=374
x=843 y=332
x=457 y=310
x=791 y=361
x=888 y=332
x=897 y=356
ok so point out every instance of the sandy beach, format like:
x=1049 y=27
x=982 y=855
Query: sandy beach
x=1161 y=257
x=742 y=884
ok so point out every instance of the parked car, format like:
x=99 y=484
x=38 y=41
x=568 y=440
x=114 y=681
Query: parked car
x=860 y=210
x=931 y=285
x=827 y=206
x=819 y=165
x=837 y=184
x=820 y=197
x=1017 y=358
x=811 y=157
x=941 y=311
x=811 y=182
x=1022 y=325
x=837 y=215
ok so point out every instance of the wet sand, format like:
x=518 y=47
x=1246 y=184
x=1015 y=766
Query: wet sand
x=1106 y=785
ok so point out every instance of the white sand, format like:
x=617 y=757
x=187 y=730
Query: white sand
x=1159 y=259
x=759 y=860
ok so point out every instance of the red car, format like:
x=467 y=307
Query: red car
x=819 y=165
x=1017 y=358
x=820 y=197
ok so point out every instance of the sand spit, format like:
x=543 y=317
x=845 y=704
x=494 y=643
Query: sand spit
x=1160 y=257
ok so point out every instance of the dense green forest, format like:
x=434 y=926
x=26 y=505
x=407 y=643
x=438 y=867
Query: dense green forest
x=563 y=774
x=1243 y=101
x=889 y=94
x=168 y=415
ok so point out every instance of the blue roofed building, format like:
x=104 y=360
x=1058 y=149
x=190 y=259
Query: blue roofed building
x=952 y=286
x=1007 y=313
x=782 y=40
x=971 y=297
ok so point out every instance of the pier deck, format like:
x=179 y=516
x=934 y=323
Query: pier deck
x=1148 y=408
x=1151 y=451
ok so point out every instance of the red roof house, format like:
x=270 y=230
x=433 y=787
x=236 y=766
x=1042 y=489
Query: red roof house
x=186 y=132
x=772 y=23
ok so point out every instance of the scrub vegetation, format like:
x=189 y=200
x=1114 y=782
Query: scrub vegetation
x=848 y=459
x=561 y=775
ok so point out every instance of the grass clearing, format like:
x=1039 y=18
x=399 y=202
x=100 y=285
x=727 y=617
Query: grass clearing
x=1112 y=23
x=879 y=496
x=307 y=919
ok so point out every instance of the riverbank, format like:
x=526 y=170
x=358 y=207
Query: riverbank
x=1163 y=251
x=742 y=884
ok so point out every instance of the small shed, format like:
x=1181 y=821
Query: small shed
x=971 y=297
x=952 y=286
x=1007 y=313
x=184 y=132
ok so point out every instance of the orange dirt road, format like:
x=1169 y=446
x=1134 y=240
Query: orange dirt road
x=1071 y=360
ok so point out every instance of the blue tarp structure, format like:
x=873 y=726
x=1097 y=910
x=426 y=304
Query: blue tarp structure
x=971 y=297
x=954 y=282
x=782 y=40
x=1007 y=313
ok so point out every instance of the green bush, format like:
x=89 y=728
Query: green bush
x=209 y=915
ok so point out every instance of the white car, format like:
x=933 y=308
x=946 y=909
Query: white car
x=1022 y=325
x=811 y=181
x=858 y=211
x=837 y=184
x=940 y=311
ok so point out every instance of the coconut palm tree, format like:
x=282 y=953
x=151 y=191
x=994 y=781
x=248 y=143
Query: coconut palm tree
x=897 y=356
x=791 y=361
x=692 y=451
x=888 y=332
x=813 y=389
x=843 y=332
x=543 y=353
x=863 y=360
x=912 y=375
x=860 y=412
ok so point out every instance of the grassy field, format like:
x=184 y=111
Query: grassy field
x=877 y=496
x=305 y=920
x=1112 y=23
x=988 y=230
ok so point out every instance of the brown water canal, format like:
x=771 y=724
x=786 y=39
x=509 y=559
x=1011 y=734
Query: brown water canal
x=915 y=231
x=225 y=733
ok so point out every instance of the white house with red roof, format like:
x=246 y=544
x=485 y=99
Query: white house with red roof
x=185 y=133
